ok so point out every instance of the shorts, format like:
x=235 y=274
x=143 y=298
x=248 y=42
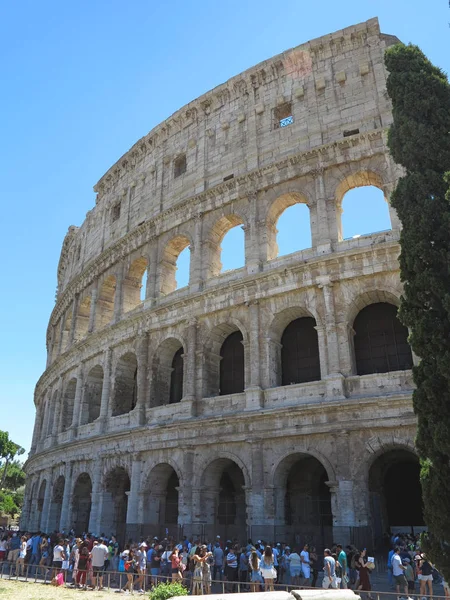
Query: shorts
x=13 y=555
x=98 y=570
x=425 y=577
x=400 y=580
x=295 y=571
x=154 y=571
x=57 y=564
x=256 y=577
x=175 y=571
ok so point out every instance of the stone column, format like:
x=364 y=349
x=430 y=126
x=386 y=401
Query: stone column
x=190 y=366
x=252 y=242
x=321 y=235
x=323 y=351
x=133 y=498
x=196 y=265
x=25 y=514
x=142 y=360
x=37 y=427
x=96 y=509
x=93 y=311
x=150 y=293
x=57 y=412
x=185 y=507
x=118 y=296
x=256 y=515
x=77 y=403
x=47 y=497
x=104 y=406
x=73 y=327
x=334 y=378
x=253 y=393
x=64 y=523
x=61 y=333
x=47 y=412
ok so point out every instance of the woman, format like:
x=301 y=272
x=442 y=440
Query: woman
x=130 y=570
x=364 y=573
x=82 y=568
x=295 y=567
x=3 y=548
x=175 y=560
x=313 y=560
x=74 y=558
x=155 y=565
x=255 y=577
x=425 y=576
x=20 y=563
x=199 y=559
x=268 y=569
x=243 y=570
x=45 y=550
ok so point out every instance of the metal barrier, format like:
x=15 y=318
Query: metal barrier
x=114 y=580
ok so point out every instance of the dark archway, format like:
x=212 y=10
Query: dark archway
x=56 y=504
x=232 y=378
x=40 y=503
x=161 y=501
x=300 y=360
x=81 y=503
x=381 y=341
x=395 y=492
x=176 y=377
x=115 y=503
x=68 y=401
x=125 y=385
x=93 y=394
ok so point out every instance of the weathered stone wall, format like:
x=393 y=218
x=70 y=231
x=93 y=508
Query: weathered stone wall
x=102 y=401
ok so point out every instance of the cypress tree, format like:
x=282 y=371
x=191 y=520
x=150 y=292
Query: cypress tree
x=419 y=140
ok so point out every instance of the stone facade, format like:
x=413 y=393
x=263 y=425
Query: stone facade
x=113 y=448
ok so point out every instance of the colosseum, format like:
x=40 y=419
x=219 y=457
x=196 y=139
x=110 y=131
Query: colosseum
x=272 y=400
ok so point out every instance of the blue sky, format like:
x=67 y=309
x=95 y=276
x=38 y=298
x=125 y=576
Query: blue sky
x=82 y=81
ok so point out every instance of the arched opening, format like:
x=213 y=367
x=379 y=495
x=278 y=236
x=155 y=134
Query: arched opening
x=133 y=284
x=226 y=245
x=380 y=340
x=224 y=507
x=81 y=503
x=161 y=500
x=105 y=302
x=68 y=401
x=395 y=493
x=362 y=206
x=115 y=503
x=303 y=500
x=300 y=352
x=168 y=373
x=288 y=225
x=93 y=395
x=125 y=385
x=83 y=316
x=174 y=268
x=232 y=372
x=56 y=504
x=40 y=503
x=65 y=341
x=143 y=293
x=52 y=425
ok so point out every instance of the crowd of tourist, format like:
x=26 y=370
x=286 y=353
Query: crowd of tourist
x=82 y=562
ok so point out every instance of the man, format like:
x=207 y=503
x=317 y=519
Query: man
x=14 y=548
x=232 y=568
x=142 y=566
x=35 y=543
x=99 y=554
x=398 y=571
x=218 y=562
x=114 y=554
x=329 y=578
x=59 y=555
x=342 y=560
x=304 y=558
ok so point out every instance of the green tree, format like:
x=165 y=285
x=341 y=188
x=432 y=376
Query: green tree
x=8 y=505
x=15 y=476
x=419 y=140
x=8 y=451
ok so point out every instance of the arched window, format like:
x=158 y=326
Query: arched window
x=226 y=244
x=233 y=249
x=364 y=210
x=300 y=352
x=176 y=377
x=182 y=268
x=125 y=385
x=175 y=265
x=68 y=401
x=294 y=229
x=133 y=285
x=105 y=302
x=82 y=324
x=232 y=365
x=381 y=341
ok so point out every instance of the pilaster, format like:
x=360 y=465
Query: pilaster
x=104 y=404
x=142 y=360
x=64 y=523
x=93 y=311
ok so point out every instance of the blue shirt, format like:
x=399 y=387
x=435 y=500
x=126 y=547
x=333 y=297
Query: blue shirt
x=35 y=543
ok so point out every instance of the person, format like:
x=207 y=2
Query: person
x=409 y=574
x=389 y=569
x=218 y=562
x=284 y=569
x=232 y=568
x=14 y=548
x=363 y=570
x=329 y=568
x=342 y=559
x=425 y=576
x=268 y=569
x=197 y=579
x=35 y=551
x=295 y=567
x=131 y=565
x=243 y=570
x=207 y=570
x=255 y=577
x=74 y=557
x=398 y=571
x=304 y=557
x=141 y=558
x=175 y=560
x=20 y=562
x=59 y=555
x=313 y=560
x=83 y=565
x=3 y=550
x=99 y=555
x=155 y=564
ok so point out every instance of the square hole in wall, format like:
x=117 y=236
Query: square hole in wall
x=283 y=115
x=179 y=165
x=115 y=212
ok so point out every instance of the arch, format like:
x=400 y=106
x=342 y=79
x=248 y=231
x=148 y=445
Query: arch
x=56 y=504
x=353 y=181
x=300 y=361
x=133 y=283
x=93 y=394
x=125 y=385
x=168 y=265
x=395 y=474
x=371 y=295
x=40 y=503
x=224 y=506
x=68 y=402
x=219 y=230
x=232 y=365
x=65 y=339
x=115 y=502
x=81 y=503
x=303 y=498
x=282 y=204
x=105 y=302
x=83 y=317
x=161 y=496
x=380 y=340
x=168 y=372
x=51 y=424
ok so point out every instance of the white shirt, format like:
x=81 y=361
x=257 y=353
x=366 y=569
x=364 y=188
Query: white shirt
x=295 y=559
x=58 y=552
x=396 y=565
x=99 y=555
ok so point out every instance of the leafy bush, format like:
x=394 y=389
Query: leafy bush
x=164 y=591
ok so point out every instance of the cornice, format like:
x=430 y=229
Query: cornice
x=298 y=165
